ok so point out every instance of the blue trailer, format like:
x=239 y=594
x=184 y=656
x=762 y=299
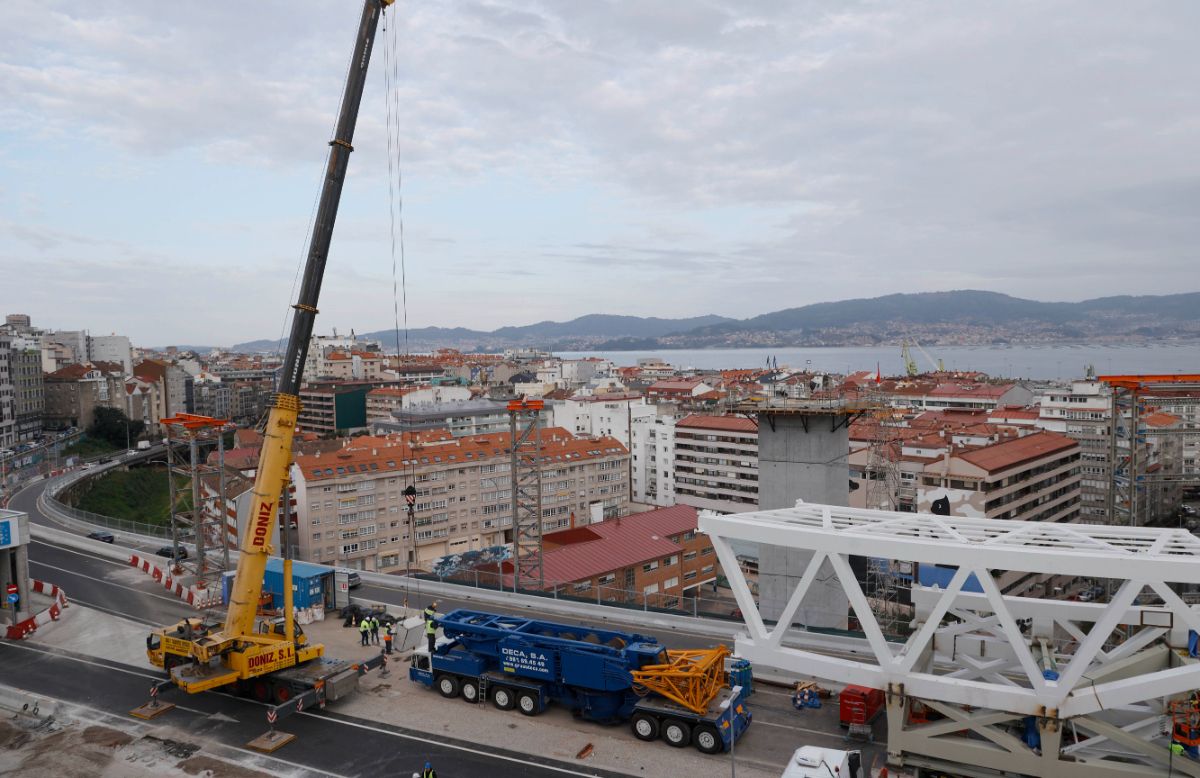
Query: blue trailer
x=598 y=674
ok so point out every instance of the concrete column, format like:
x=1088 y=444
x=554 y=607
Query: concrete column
x=801 y=456
x=21 y=563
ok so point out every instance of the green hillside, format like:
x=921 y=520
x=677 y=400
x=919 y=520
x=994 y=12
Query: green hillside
x=140 y=495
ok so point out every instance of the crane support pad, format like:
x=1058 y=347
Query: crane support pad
x=151 y=710
x=271 y=741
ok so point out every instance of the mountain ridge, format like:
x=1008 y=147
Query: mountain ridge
x=965 y=316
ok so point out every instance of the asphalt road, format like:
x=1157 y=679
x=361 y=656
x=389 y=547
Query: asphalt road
x=372 y=749
x=326 y=743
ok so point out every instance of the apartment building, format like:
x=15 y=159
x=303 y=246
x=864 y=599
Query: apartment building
x=331 y=409
x=957 y=395
x=111 y=348
x=74 y=392
x=1035 y=477
x=653 y=457
x=383 y=402
x=602 y=414
x=8 y=414
x=1083 y=412
x=459 y=417
x=716 y=463
x=28 y=386
x=351 y=511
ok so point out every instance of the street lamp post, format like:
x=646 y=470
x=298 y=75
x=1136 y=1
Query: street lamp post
x=734 y=694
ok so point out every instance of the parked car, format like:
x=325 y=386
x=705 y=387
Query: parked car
x=352 y=579
x=102 y=535
x=169 y=553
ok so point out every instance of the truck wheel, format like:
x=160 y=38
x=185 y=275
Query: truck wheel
x=644 y=726
x=447 y=685
x=527 y=703
x=707 y=740
x=676 y=733
x=283 y=693
x=470 y=690
x=502 y=698
x=261 y=690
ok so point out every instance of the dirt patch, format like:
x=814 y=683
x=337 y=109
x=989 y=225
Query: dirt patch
x=207 y=766
x=106 y=737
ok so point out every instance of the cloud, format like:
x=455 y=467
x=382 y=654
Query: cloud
x=778 y=153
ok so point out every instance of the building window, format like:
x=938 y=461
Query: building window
x=646 y=568
x=670 y=560
x=651 y=589
x=670 y=582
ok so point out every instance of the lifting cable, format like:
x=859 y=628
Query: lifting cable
x=391 y=99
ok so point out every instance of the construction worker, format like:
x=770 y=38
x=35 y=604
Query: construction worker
x=388 y=635
x=374 y=630
x=428 y=772
x=431 y=626
x=364 y=630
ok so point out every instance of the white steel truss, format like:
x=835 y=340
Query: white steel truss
x=982 y=660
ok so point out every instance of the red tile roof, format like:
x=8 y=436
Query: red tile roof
x=371 y=453
x=1018 y=451
x=614 y=544
x=970 y=389
x=731 y=423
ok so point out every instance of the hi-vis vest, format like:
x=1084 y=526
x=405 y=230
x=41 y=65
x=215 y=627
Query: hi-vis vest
x=364 y=625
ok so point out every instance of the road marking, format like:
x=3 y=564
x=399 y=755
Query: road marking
x=106 y=560
x=256 y=756
x=172 y=600
x=323 y=717
x=81 y=660
x=443 y=744
x=757 y=721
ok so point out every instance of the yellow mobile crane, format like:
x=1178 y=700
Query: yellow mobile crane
x=272 y=659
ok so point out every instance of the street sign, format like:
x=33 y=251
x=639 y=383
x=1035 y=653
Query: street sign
x=12 y=598
x=8 y=533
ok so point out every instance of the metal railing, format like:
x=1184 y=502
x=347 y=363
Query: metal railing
x=628 y=599
x=55 y=487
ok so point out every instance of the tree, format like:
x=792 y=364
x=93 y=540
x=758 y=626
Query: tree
x=110 y=424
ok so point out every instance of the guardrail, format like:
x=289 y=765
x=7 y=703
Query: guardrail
x=56 y=486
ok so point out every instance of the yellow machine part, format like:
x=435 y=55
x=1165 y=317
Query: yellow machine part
x=690 y=678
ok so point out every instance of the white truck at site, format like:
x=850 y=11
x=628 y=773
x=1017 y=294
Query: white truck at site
x=816 y=762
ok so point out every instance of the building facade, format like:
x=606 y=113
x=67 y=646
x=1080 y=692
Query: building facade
x=29 y=387
x=653 y=457
x=716 y=463
x=351 y=511
x=652 y=557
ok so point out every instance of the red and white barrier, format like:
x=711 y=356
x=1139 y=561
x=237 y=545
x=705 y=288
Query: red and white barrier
x=24 y=629
x=199 y=598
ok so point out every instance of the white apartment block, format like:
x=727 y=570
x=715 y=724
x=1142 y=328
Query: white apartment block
x=351 y=512
x=602 y=415
x=111 y=348
x=716 y=463
x=384 y=401
x=653 y=453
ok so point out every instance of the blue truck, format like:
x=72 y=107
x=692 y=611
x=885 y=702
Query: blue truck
x=601 y=675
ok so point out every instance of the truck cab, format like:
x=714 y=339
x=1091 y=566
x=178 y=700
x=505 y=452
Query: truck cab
x=816 y=762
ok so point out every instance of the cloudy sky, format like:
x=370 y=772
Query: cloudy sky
x=159 y=161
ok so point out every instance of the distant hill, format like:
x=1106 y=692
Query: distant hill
x=962 y=317
x=957 y=316
x=582 y=331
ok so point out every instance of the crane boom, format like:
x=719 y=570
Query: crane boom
x=275 y=458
